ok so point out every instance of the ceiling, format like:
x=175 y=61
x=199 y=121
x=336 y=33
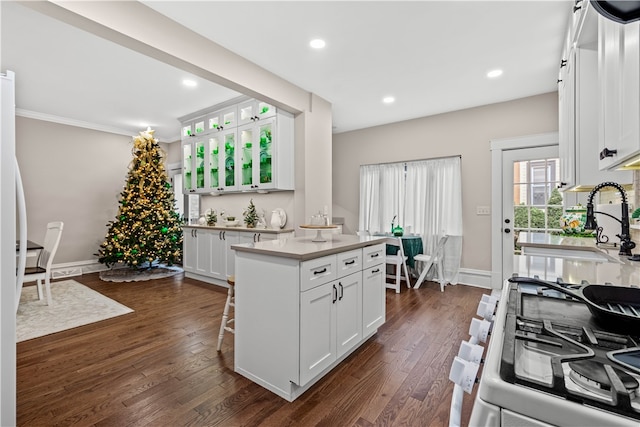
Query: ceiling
x=431 y=56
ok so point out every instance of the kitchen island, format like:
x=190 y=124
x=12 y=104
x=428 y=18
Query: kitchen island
x=302 y=307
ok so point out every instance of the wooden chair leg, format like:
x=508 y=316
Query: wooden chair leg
x=47 y=287
x=39 y=288
x=225 y=317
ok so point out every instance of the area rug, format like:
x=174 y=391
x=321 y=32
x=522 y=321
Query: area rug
x=125 y=274
x=74 y=305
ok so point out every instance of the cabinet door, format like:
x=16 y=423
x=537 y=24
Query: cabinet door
x=317 y=330
x=218 y=253
x=187 y=167
x=373 y=299
x=257 y=152
x=349 y=313
x=230 y=238
x=227 y=161
x=193 y=127
x=220 y=120
x=630 y=91
x=610 y=45
x=566 y=110
x=190 y=249
x=203 y=256
x=254 y=110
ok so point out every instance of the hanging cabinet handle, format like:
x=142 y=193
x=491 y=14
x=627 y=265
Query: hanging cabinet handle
x=335 y=294
x=341 y=290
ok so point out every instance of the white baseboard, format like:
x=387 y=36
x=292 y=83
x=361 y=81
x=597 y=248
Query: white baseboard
x=77 y=268
x=477 y=278
x=467 y=276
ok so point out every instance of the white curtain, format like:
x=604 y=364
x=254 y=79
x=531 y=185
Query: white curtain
x=382 y=195
x=426 y=198
x=434 y=205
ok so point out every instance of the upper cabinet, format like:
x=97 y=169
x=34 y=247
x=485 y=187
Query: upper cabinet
x=580 y=105
x=619 y=74
x=254 y=110
x=235 y=153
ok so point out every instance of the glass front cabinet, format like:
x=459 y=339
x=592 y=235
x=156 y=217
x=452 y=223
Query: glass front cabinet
x=253 y=110
x=226 y=158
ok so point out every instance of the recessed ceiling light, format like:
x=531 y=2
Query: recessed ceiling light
x=317 y=43
x=494 y=73
x=388 y=100
x=189 y=83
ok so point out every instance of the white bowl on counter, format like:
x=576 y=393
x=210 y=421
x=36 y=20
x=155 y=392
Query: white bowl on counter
x=231 y=223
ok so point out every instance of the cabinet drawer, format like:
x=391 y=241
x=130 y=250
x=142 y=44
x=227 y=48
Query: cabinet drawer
x=317 y=271
x=349 y=262
x=372 y=255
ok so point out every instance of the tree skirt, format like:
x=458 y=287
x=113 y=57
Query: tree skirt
x=126 y=274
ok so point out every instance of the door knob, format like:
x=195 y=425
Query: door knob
x=507 y=230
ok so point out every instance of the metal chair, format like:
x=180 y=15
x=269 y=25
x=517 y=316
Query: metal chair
x=42 y=271
x=433 y=260
x=231 y=302
x=400 y=262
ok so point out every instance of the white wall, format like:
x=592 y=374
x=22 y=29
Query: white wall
x=466 y=132
x=73 y=175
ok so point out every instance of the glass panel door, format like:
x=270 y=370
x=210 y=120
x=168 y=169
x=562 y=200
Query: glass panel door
x=266 y=152
x=246 y=141
x=214 y=162
x=186 y=166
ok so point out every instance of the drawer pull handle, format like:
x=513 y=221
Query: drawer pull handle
x=375 y=255
x=324 y=270
x=341 y=291
x=377 y=270
x=335 y=294
x=353 y=261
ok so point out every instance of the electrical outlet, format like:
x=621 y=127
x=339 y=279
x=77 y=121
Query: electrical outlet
x=483 y=210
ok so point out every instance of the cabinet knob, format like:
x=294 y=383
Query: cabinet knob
x=563 y=63
x=507 y=230
x=559 y=81
x=607 y=153
x=576 y=8
x=562 y=185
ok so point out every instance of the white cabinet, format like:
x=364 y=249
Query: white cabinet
x=226 y=118
x=220 y=157
x=619 y=82
x=322 y=310
x=189 y=249
x=222 y=171
x=207 y=253
x=253 y=110
x=330 y=313
x=266 y=152
x=578 y=114
x=373 y=299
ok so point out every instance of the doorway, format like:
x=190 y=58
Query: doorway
x=525 y=173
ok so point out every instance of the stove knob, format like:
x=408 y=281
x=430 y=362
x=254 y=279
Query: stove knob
x=471 y=352
x=480 y=329
x=486 y=309
x=464 y=373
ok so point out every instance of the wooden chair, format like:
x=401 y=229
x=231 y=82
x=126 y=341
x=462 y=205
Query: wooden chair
x=42 y=271
x=231 y=302
x=433 y=260
x=399 y=261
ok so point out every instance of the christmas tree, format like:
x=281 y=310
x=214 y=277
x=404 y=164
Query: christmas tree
x=250 y=215
x=147 y=229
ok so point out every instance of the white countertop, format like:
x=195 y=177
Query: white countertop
x=239 y=228
x=303 y=248
x=618 y=270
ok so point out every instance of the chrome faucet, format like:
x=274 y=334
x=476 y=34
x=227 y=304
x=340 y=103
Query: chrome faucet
x=626 y=244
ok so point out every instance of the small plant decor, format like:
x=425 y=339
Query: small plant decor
x=211 y=217
x=250 y=215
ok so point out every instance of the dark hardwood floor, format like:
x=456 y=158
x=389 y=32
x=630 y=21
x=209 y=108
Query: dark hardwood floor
x=158 y=366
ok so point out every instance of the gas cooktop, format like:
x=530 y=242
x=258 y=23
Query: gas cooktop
x=553 y=344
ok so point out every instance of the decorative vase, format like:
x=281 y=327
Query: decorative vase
x=275 y=220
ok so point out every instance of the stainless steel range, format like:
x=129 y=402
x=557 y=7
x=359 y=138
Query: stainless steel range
x=549 y=362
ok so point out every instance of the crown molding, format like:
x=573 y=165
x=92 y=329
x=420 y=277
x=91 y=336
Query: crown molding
x=81 y=124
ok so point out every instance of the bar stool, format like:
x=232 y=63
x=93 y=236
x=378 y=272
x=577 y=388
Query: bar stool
x=231 y=302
